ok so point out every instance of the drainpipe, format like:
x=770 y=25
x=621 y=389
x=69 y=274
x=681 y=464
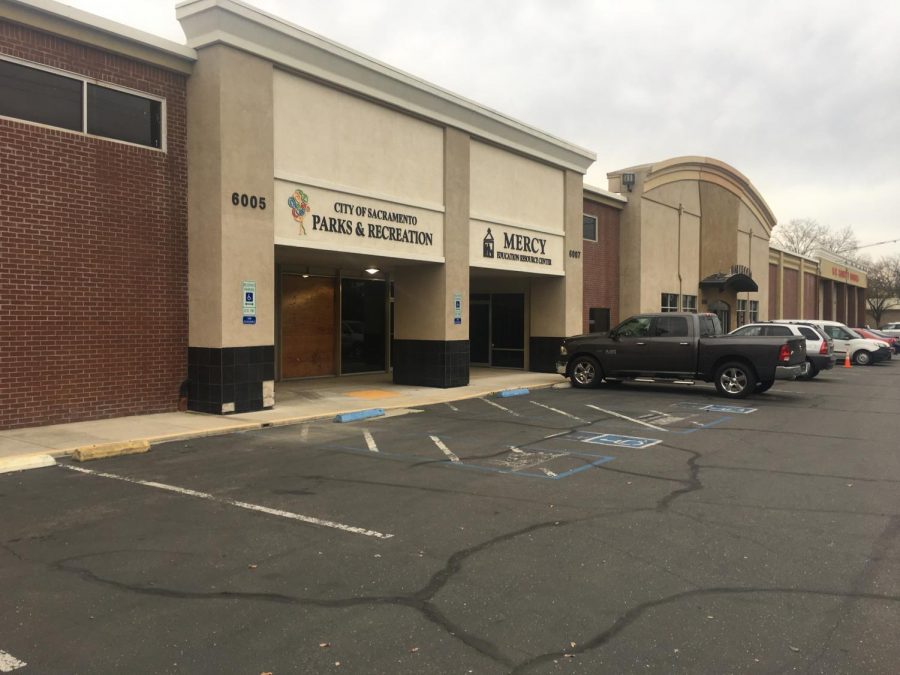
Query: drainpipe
x=680 y=296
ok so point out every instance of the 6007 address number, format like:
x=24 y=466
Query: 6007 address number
x=251 y=201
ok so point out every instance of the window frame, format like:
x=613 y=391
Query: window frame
x=85 y=81
x=693 y=303
x=596 y=227
x=663 y=307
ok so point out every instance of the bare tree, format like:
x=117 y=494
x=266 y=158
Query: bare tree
x=884 y=287
x=804 y=236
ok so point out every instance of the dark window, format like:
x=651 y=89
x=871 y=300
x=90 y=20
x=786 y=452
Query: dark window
x=671 y=326
x=669 y=302
x=777 y=331
x=598 y=319
x=689 y=303
x=362 y=325
x=125 y=117
x=709 y=325
x=748 y=331
x=637 y=326
x=38 y=96
x=809 y=333
x=590 y=227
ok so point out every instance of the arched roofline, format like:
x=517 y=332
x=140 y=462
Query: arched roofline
x=712 y=171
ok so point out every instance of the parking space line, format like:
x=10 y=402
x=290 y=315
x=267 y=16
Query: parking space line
x=304 y=433
x=452 y=407
x=370 y=442
x=625 y=417
x=497 y=405
x=230 y=502
x=443 y=448
x=9 y=663
x=561 y=412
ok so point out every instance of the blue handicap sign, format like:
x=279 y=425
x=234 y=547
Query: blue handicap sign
x=618 y=441
x=249 y=297
x=733 y=409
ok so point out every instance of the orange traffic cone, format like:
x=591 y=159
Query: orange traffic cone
x=847 y=360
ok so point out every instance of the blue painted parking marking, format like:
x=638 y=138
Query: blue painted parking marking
x=506 y=393
x=733 y=409
x=634 y=442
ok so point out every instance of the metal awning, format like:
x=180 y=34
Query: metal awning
x=738 y=281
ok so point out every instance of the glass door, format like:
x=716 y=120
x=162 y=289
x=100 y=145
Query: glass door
x=508 y=330
x=363 y=325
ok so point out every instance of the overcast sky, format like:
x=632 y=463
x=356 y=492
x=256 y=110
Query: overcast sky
x=801 y=96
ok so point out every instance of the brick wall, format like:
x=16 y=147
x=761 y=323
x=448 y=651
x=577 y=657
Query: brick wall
x=93 y=271
x=601 y=262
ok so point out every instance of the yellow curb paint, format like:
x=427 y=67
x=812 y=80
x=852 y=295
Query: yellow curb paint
x=104 y=450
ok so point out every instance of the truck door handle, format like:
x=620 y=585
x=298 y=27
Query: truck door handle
x=684 y=343
x=640 y=343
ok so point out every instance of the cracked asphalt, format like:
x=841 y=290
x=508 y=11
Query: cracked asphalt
x=763 y=540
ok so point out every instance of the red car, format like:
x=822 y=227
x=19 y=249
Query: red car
x=870 y=334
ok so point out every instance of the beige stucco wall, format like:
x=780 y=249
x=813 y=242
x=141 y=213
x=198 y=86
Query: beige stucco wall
x=329 y=138
x=228 y=244
x=424 y=295
x=510 y=189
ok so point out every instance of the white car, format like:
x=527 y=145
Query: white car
x=891 y=328
x=819 y=347
x=862 y=352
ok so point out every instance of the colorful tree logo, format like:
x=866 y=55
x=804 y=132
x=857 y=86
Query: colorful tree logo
x=299 y=204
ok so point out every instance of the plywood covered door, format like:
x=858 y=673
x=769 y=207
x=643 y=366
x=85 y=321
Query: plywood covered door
x=307 y=326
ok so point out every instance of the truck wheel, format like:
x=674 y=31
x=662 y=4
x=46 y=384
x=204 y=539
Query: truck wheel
x=735 y=380
x=585 y=372
x=862 y=358
x=764 y=386
x=809 y=371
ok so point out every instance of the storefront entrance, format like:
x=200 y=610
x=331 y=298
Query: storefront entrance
x=497 y=329
x=331 y=326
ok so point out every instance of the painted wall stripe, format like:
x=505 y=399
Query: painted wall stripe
x=625 y=417
x=561 y=412
x=497 y=405
x=230 y=502
x=9 y=663
x=443 y=448
x=370 y=442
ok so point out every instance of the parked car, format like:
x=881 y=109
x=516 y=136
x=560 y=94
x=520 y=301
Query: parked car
x=893 y=339
x=869 y=335
x=681 y=347
x=891 y=328
x=862 y=352
x=819 y=347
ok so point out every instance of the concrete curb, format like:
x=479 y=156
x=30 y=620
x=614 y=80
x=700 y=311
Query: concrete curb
x=104 y=450
x=25 y=462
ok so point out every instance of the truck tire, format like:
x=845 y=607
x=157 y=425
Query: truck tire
x=764 y=386
x=809 y=372
x=735 y=380
x=585 y=372
x=862 y=358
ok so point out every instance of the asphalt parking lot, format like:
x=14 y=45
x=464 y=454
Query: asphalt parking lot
x=631 y=528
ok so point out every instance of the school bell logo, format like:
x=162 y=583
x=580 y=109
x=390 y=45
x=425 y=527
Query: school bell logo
x=299 y=204
x=488 y=245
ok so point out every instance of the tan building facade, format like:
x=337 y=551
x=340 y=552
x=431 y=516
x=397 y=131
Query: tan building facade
x=346 y=217
x=694 y=236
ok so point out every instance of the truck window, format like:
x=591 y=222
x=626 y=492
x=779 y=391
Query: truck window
x=670 y=326
x=709 y=325
x=636 y=326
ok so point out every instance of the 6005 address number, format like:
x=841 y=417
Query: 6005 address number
x=251 y=201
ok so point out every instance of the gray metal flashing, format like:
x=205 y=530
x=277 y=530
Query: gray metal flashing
x=598 y=194
x=241 y=26
x=75 y=24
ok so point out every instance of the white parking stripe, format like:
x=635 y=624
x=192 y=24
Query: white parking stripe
x=561 y=412
x=370 y=441
x=304 y=433
x=9 y=663
x=452 y=407
x=625 y=417
x=497 y=405
x=438 y=442
x=230 y=502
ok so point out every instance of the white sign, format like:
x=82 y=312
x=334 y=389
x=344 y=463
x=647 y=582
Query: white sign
x=521 y=249
x=314 y=217
x=457 y=309
x=248 y=291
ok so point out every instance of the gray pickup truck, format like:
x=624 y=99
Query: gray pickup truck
x=681 y=347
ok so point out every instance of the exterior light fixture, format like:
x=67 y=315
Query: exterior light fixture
x=628 y=181
x=372 y=270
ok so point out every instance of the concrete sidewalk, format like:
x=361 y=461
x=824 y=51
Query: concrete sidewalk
x=294 y=402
